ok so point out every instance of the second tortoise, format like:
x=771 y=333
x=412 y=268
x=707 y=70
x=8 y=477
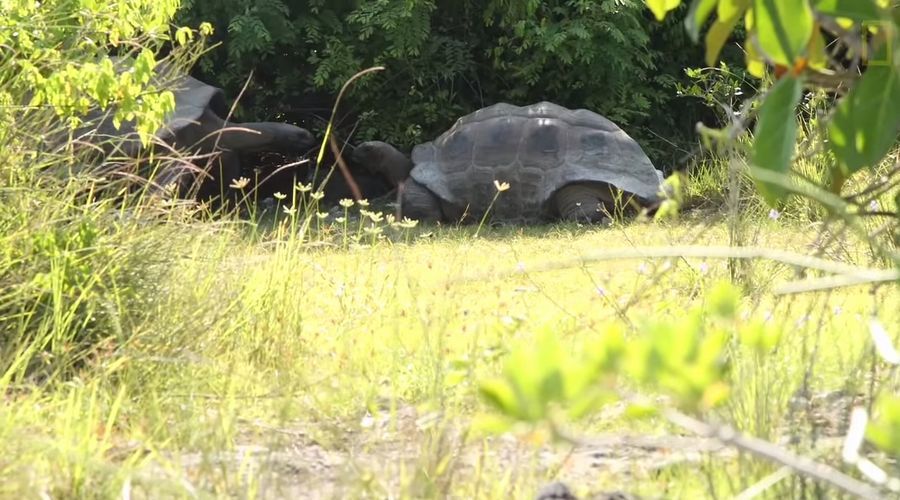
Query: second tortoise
x=559 y=163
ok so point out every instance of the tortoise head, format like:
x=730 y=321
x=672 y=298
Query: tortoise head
x=293 y=139
x=302 y=139
x=382 y=158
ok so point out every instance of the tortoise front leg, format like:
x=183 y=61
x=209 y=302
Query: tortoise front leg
x=582 y=202
x=223 y=169
x=418 y=202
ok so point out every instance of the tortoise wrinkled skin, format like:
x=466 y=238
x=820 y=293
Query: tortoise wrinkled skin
x=537 y=149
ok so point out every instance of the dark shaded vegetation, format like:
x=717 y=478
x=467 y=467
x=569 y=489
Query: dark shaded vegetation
x=271 y=174
x=447 y=58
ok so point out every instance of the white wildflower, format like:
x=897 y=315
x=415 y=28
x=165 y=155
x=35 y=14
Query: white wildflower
x=239 y=183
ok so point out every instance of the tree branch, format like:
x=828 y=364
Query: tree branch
x=773 y=453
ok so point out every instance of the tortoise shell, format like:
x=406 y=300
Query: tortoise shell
x=537 y=149
x=192 y=98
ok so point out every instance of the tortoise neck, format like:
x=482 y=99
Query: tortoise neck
x=395 y=166
x=257 y=136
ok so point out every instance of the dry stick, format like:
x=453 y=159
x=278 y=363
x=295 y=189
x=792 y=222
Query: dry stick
x=773 y=453
x=785 y=257
x=870 y=277
x=344 y=170
x=351 y=181
x=765 y=484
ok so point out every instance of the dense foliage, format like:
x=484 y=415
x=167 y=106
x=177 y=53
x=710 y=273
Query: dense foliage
x=790 y=37
x=448 y=58
x=68 y=281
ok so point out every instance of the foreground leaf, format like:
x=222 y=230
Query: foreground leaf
x=866 y=122
x=858 y=10
x=501 y=396
x=783 y=29
x=731 y=8
x=716 y=37
x=775 y=135
x=815 y=52
x=697 y=15
x=884 y=432
x=662 y=7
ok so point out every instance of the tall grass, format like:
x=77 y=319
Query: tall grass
x=279 y=344
x=148 y=348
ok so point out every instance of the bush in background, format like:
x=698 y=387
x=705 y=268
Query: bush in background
x=449 y=58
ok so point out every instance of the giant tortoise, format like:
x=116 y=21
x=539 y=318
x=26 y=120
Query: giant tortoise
x=208 y=146
x=559 y=164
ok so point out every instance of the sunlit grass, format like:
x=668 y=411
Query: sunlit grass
x=284 y=346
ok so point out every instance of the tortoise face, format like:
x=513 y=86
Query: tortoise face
x=300 y=140
x=381 y=158
x=368 y=155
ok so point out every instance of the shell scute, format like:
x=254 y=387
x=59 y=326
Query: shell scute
x=545 y=145
x=496 y=142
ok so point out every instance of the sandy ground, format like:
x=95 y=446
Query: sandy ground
x=382 y=457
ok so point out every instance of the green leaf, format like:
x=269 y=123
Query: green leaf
x=858 y=10
x=775 y=135
x=723 y=300
x=489 y=424
x=752 y=334
x=884 y=431
x=552 y=387
x=697 y=15
x=640 y=411
x=606 y=354
x=731 y=8
x=455 y=377
x=770 y=338
x=716 y=37
x=547 y=364
x=501 y=396
x=183 y=34
x=865 y=124
x=589 y=402
x=815 y=52
x=662 y=7
x=755 y=65
x=783 y=28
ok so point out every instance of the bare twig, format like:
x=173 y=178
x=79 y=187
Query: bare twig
x=773 y=453
x=327 y=139
x=764 y=484
x=711 y=252
x=870 y=277
x=342 y=165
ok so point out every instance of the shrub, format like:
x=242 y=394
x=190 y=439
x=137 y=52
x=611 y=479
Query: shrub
x=73 y=270
x=446 y=59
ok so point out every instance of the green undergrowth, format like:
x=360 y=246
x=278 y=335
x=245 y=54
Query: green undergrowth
x=135 y=338
x=151 y=350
